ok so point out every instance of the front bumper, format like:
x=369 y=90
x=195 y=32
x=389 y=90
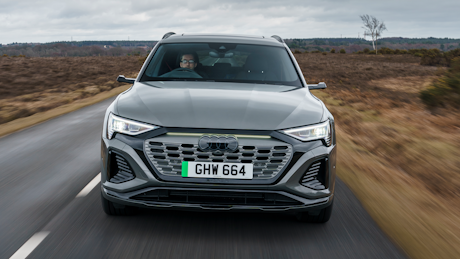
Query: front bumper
x=301 y=204
x=284 y=193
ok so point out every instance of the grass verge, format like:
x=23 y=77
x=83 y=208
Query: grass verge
x=22 y=123
x=412 y=204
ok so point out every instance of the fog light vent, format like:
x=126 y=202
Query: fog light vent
x=315 y=176
x=120 y=170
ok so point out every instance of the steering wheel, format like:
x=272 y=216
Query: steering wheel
x=184 y=69
x=182 y=72
x=193 y=74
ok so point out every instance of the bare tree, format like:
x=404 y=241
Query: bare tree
x=373 y=28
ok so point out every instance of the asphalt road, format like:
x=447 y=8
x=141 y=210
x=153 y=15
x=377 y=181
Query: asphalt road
x=43 y=168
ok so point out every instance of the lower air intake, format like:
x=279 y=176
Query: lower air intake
x=120 y=170
x=315 y=176
x=217 y=198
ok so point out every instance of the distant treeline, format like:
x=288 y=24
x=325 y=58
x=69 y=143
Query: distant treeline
x=142 y=48
x=78 y=49
x=351 y=45
x=393 y=40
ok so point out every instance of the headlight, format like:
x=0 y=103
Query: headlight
x=125 y=126
x=313 y=132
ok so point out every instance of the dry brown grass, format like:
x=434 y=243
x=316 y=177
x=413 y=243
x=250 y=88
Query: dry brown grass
x=36 y=118
x=400 y=159
x=33 y=85
x=408 y=84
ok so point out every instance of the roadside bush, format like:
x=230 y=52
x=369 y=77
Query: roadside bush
x=366 y=51
x=418 y=52
x=450 y=55
x=400 y=51
x=332 y=50
x=444 y=91
x=4 y=55
x=434 y=57
x=324 y=53
x=297 y=51
x=342 y=51
x=360 y=52
x=306 y=51
x=386 y=50
x=315 y=51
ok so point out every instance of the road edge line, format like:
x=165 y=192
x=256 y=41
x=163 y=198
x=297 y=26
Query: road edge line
x=28 y=247
x=90 y=186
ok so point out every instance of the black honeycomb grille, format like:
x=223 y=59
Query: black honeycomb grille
x=268 y=161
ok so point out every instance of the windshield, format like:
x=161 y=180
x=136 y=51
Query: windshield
x=224 y=62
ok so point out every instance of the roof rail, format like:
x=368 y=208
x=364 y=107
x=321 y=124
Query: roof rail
x=167 y=35
x=278 y=38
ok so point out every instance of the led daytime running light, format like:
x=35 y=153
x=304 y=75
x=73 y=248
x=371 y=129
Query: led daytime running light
x=309 y=133
x=125 y=126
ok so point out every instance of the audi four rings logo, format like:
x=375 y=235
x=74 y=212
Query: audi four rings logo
x=218 y=143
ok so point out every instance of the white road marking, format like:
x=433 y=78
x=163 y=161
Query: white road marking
x=30 y=245
x=89 y=186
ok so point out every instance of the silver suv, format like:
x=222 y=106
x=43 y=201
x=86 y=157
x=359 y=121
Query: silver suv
x=219 y=122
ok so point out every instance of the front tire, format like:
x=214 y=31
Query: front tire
x=113 y=209
x=322 y=217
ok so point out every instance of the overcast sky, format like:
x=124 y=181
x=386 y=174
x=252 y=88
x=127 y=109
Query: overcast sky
x=52 y=20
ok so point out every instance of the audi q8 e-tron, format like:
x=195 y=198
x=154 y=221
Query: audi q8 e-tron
x=219 y=122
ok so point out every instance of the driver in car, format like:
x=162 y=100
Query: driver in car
x=189 y=61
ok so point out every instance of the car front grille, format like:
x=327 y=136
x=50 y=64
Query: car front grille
x=216 y=198
x=268 y=156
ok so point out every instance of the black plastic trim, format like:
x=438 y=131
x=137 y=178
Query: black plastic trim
x=323 y=175
x=113 y=164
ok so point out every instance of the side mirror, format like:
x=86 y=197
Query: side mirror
x=123 y=79
x=320 y=85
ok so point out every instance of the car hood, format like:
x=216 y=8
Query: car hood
x=220 y=105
